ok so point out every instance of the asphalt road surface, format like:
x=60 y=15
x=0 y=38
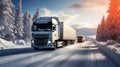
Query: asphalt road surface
x=85 y=54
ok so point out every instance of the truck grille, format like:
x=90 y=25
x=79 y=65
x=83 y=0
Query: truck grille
x=41 y=39
x=41 y=42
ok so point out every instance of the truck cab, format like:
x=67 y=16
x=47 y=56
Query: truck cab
x=45 y=32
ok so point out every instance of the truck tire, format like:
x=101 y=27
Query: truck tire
x=65 y=43
x=72 y=42
x=55 y=46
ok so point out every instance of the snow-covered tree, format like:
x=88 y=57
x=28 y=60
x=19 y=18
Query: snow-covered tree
x=19 y=21
x=98 y=34
x=101 y=33
x=103 y=29
x=110 y=29
x=113 y=22
x=6 y=19
x=37 y=14
x=27 y=26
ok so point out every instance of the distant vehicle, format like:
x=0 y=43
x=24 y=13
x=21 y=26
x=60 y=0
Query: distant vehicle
x=81 y=39
x=49 y=32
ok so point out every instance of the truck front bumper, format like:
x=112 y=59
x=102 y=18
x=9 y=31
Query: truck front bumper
x=42 y=47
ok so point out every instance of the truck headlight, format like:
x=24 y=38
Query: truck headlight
x=49 y=42
x=32 y=41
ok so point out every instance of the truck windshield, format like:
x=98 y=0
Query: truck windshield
x=42 y=27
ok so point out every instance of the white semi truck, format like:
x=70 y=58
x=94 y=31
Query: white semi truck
x=49 y=32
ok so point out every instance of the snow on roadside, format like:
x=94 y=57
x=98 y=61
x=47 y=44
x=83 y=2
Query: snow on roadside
x=115 y=47
x=112 y=50
x=112 y=45
x=9 y=45
x=92 y=36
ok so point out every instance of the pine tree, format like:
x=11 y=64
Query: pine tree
x=27 y=26
x=98 y=34
x=101 y=30
x=110 y=29
x=6 y=19
x=19 y=21
x=113 y=21
x=37 y=14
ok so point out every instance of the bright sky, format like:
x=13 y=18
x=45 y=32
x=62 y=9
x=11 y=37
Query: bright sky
x=81 y=13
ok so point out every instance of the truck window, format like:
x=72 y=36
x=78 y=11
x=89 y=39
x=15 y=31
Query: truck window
x=42 y=26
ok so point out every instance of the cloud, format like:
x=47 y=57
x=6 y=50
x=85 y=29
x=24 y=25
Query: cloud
x=91 y=4
x=84 y=25
x=69 y=17
x=63 y=15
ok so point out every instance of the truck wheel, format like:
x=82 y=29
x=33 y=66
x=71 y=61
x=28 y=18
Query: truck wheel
x=55 y=46
x=65 y=43
x=36 y=48
x=72 y=42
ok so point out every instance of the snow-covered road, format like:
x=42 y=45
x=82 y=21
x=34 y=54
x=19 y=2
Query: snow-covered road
x=85 y=54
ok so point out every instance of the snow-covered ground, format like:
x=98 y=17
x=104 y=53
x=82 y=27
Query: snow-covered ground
x=9 y=45
x=112 y=49
x=112 y=45
x=84 y=54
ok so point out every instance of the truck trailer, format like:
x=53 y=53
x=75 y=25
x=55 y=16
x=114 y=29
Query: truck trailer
x=49 y=32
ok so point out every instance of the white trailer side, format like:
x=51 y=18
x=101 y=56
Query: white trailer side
x=67 y=32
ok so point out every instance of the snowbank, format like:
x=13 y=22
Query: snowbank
x=92 y=36
x=112 y=45
x=111 y=49
x=111 y=42
x=20 y=42
x=9 y=45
